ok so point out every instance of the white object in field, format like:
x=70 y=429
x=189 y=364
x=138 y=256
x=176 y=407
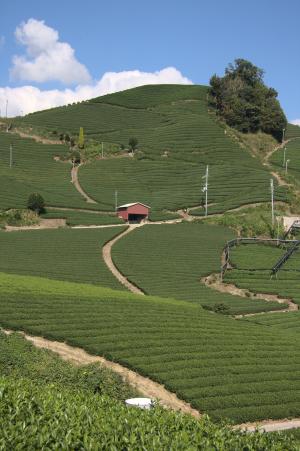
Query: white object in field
x=142 y=403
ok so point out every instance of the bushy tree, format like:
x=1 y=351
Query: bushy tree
x=133 y=143
x=36 y=203
x=81 y=138
x=243 y=100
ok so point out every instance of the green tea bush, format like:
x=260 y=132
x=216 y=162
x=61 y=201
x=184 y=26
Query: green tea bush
x=34 y=417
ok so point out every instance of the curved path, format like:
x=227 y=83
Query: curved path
x=146 y=386
x=75 y=181
x=214 y=282
x=36 y=138
x=106 y=253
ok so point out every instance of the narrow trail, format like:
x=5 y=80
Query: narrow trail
x=81 y=210
x=214 y=282
x=36 y=138
x=280 y=180
x=106 y=254
x=144 y=385
x=75 y=181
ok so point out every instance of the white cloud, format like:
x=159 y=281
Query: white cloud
x=295 y=122
x=46 y=59
x=27 y=99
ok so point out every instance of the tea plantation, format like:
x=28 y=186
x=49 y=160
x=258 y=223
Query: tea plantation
x=293 y=131
x=224 y=367
x=177 y=139
x=74 y=255
x=35 y=170
x=252 y=270
x=293 y=155
x=169 y=260
x=60 y=418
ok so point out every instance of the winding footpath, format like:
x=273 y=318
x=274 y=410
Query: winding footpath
x=106 y=254
x=144 y=385
x=75 y=181
x=214 y=282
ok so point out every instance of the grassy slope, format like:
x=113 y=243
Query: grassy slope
x=222 y=366
x=34 y=170
x=74 y=255
x=169 y=260
x=164 y=118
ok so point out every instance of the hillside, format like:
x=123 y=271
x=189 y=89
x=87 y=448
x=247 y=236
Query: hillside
x=171 y=260
x=177 y=138
x=227 y=368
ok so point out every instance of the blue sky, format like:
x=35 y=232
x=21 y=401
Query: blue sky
x=197 y=38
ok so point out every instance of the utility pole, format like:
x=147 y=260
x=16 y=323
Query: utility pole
x=116 y=200
x=205 y=188
x=284 y=156
x=102 y=149
x=10 y=156
x=286 y=166
x=272 y=200
x=6 y=107
x=283 y=132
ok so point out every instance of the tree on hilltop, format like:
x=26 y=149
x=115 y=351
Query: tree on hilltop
x=243 y=100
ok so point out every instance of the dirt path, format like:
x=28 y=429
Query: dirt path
x=75 y=181
x=36 y=138
x=144 y=385
x=106 y=253
x=214 y=282
x=44 y=224
x=82 y=210
x=271 y=426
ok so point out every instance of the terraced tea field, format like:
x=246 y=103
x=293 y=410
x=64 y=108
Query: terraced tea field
x=293 y=131
x=170 y=260
x=225 y=367
x=293 y=155
x=253 y=264
x=177 y=139
x=74 y=255
x=34 y=170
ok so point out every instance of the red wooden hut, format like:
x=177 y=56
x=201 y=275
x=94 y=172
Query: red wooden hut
x=135 y=211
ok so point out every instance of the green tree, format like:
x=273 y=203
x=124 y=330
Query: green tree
x=243 y=100
x=133 y=143
x=36 y=203
x=81 y=138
